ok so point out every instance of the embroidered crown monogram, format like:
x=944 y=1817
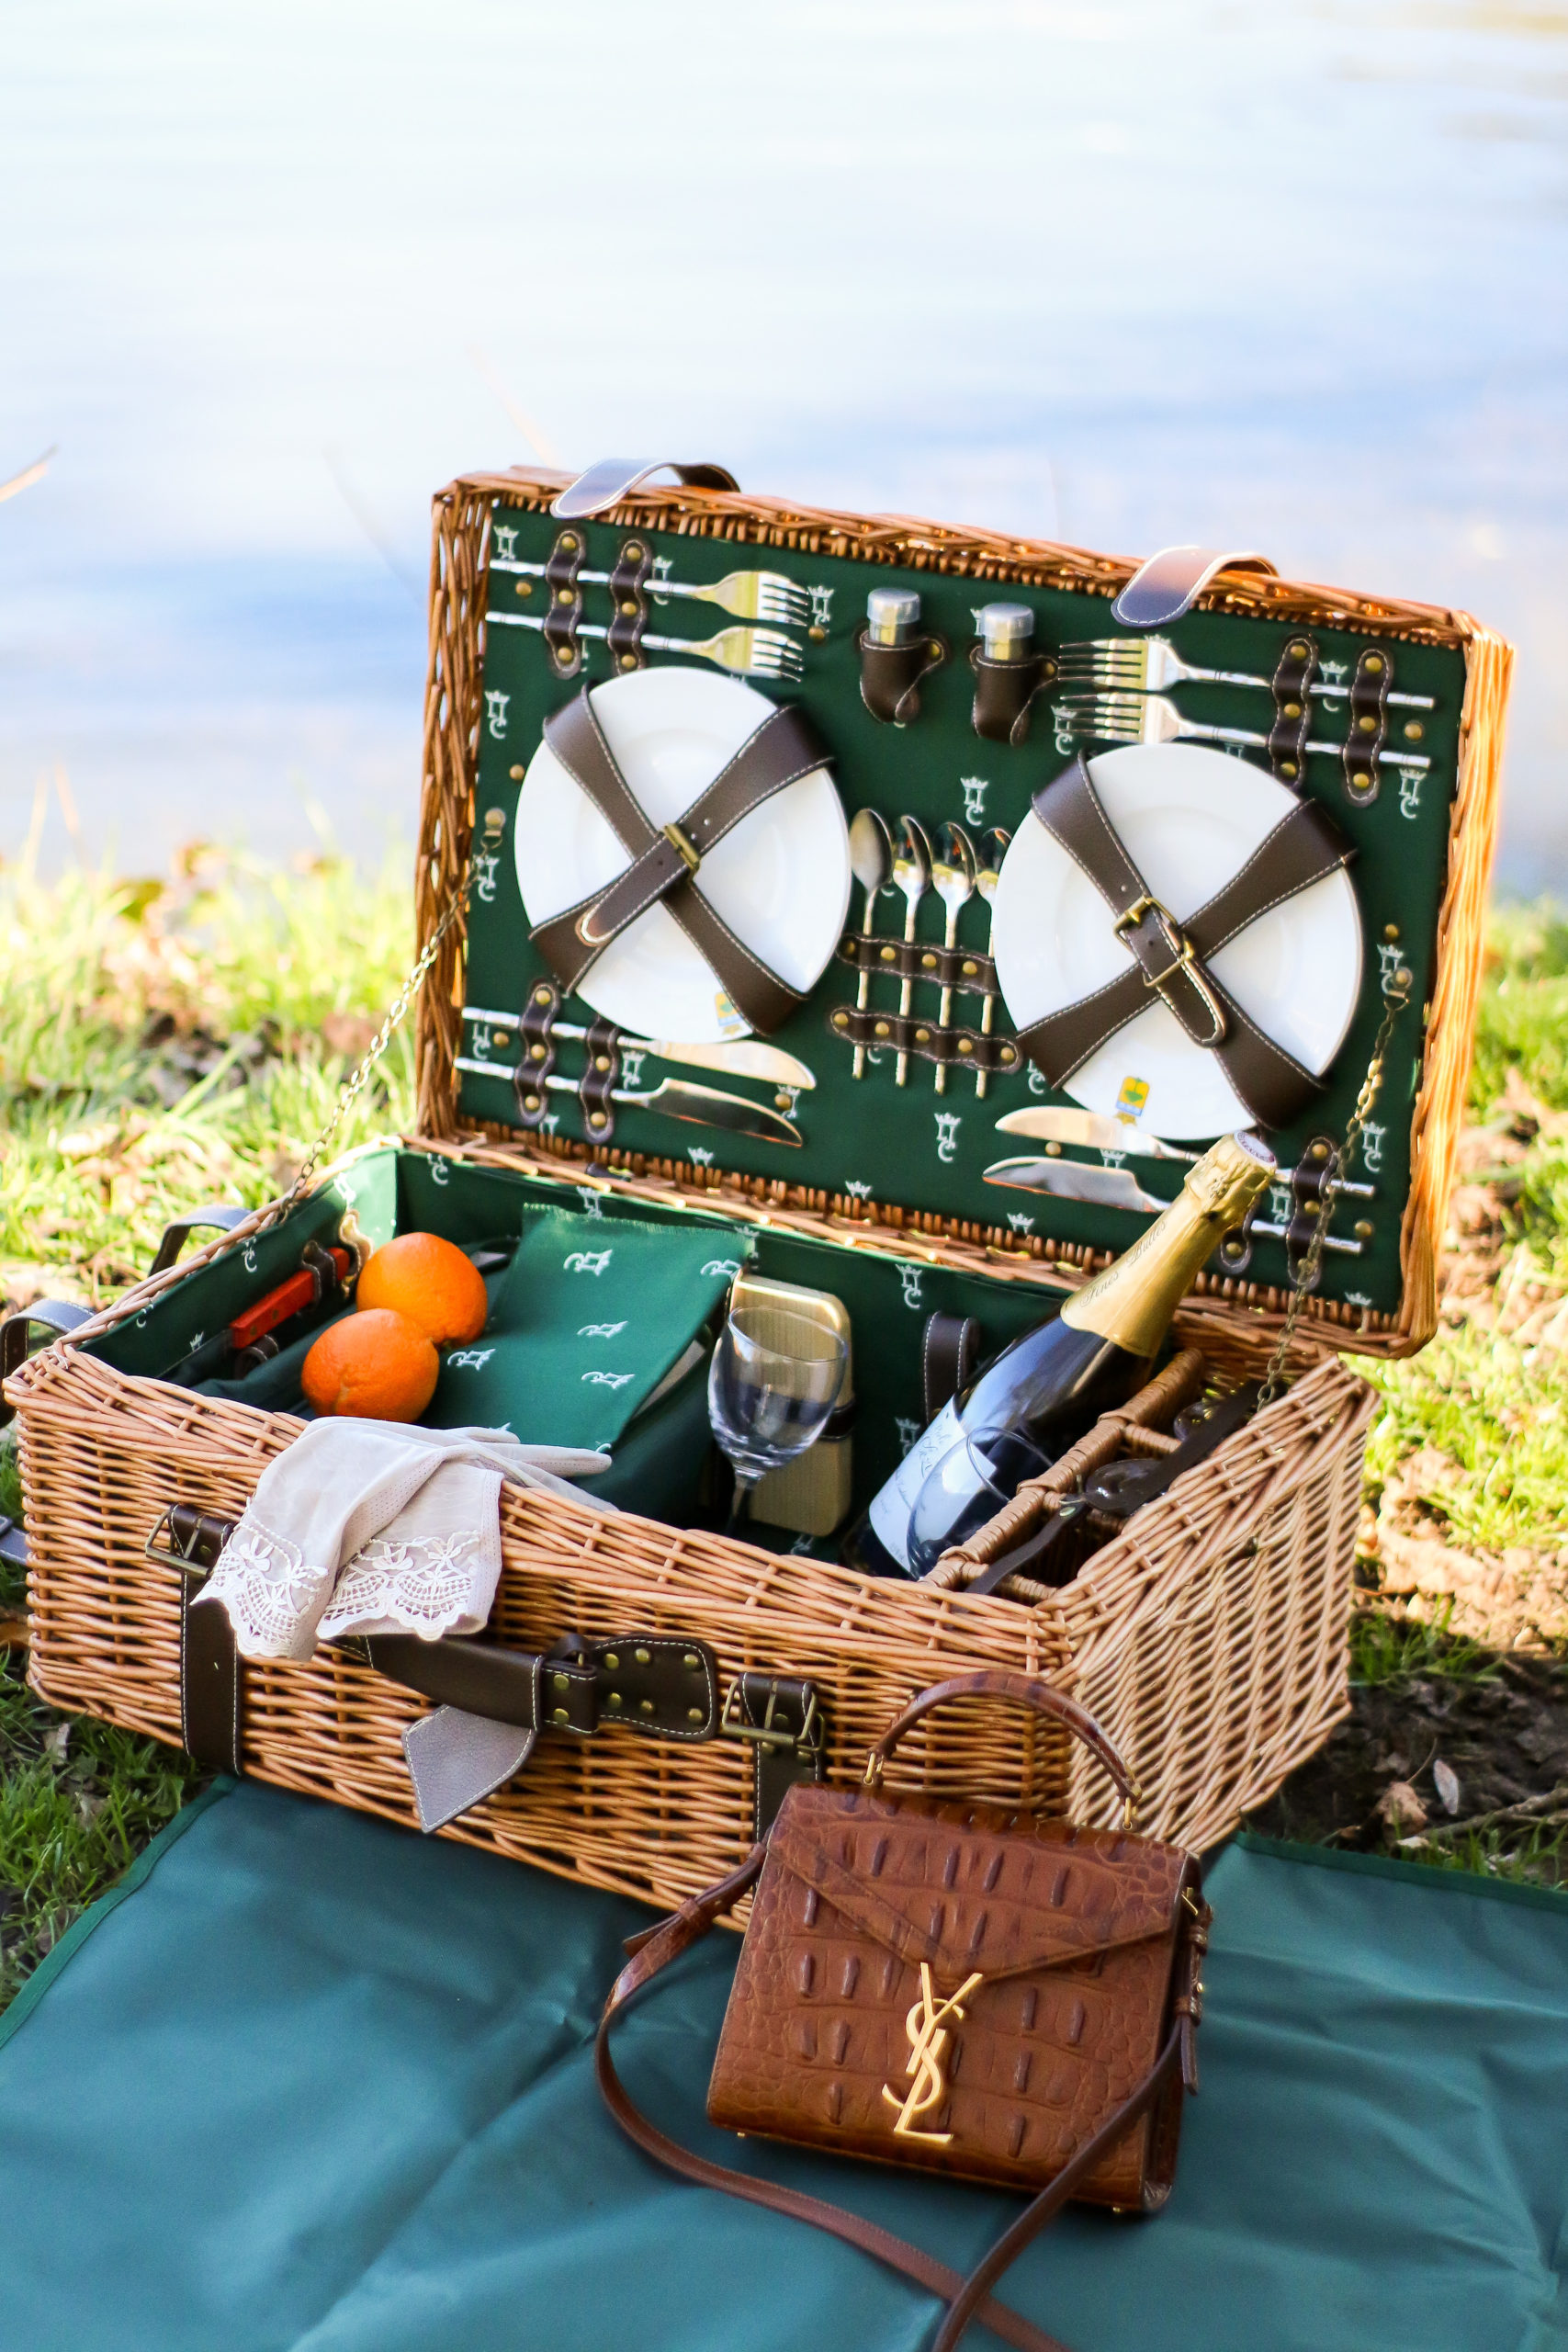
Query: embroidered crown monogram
x=927 y=2029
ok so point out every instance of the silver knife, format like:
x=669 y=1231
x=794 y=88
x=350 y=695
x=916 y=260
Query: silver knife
x=1116 y=1188
x=740 y=1056
x=1063 y=1123
x=674 y=1098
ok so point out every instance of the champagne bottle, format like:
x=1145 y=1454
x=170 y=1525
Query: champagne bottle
x=1051 y=1384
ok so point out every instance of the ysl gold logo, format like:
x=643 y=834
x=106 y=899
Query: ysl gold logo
x=926 y=2028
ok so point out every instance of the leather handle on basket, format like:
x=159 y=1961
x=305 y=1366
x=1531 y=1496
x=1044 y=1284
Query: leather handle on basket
x=56 y=1315
x=1024 y=1690
x=612 y=478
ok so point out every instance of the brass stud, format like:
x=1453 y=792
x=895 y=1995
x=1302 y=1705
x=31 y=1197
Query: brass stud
x=922 y=1037
x=569 y=540
x=565 y=596
x=1008 y=1055
x=964 y=1045
x=597 y=1119
x=516 y=775
x=601 y=1061
x=501 y=1036
x=645 y=1706
x=817 y=633
x=1403 y=977
x=1312 y=1208
x=928 y=962
x=524 y=587
x=643 y=1657
x=560 y=1716
x=1320 y=1151
x=1391 y=931
x=541 y=996
x=693 y=1714
x=1292 y=710
x=691 y=1660
x=615 y=1700
x=632 y=551
x=970 y=968
x=841 y=1020
x=628 y=661
x=1374 y=665
x=494 y=819
x=1297 y=652
x=1288 y=767
x=611 y=1661
x=536 y=1053
x=532 y=1102
x=1367 y=723
x=1413 y=730
x=561 y=1681
x=1053 y=1151
x=888 y=953
x=781 y=1102
x=1361 y=781
x=628 y=608
x=1363 y=1228
x=880 y=1029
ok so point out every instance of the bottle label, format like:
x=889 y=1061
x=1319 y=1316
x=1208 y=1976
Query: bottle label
x=891 y=1511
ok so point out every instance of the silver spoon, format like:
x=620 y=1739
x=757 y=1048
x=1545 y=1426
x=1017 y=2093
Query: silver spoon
x=987 y=874
x=871 y=863
x=952 y=878
x=912 y=875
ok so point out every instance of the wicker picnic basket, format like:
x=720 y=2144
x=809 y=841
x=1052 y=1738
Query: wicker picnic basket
x=1210 y=1639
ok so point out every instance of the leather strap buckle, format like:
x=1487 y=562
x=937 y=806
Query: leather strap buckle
x=683 y=845
x=1163 y=925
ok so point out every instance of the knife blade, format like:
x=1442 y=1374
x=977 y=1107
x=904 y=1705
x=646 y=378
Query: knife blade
x=1071 y=1180
x=1062 y=1123
x=672 y=1098
x=740 y=1056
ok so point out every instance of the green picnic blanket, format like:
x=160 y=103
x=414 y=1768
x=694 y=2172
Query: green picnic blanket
x=304 y=2083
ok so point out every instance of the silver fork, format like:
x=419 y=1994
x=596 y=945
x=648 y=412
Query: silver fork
x=1145 y=664
x=748 y=595
x=1153 y=718
x=749 y=652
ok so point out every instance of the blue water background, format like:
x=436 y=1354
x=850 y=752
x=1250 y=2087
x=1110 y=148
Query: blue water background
x=1288 y=274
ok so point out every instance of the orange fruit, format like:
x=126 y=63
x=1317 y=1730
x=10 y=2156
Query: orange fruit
x=431 y=1282
x=375 y=1366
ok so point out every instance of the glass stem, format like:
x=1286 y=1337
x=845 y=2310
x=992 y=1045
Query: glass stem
x=740 y=1499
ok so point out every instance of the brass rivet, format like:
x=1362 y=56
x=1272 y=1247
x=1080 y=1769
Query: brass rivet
x=541 y=996
x=565 y=596
x=629 y=608
x=1391 y=931
x=561 y=1681
x=629 y=660
x=597 y=1119
x=645 y=1706
x=501 y=1036
x=611 y=1661
x=601 y=1061
x=691 y=1659
x=1413 y=730
x=1298 y=651
x=693 y=1714
x=1402 y=978
x=964 y=1046
x=643 y=1657
x=1320 y=1151
x=495 y=818
x=1287 y=767
x=616 y=1700
x=536 y=1053
x=781 y=1102
x=888 y=953
x=569 y=540
x=841 y=1020
x=524 y=587
x=970 y=969
x=1363 y=1229
x=516 y=775
x=1373 y=664
x=1367 y=723
x=531 y=1102
x=560 y=1716
x=880 y=1029
x=1361 y=781
x=922 y=1037
x=1053 y=1151
x=631 y=552
x=1312 y=1208
x=1292 y=710
x=1008 y=1053
x=928 y=962
x=817 y=633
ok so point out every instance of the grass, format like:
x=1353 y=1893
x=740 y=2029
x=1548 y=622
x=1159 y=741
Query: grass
x=168 y=1040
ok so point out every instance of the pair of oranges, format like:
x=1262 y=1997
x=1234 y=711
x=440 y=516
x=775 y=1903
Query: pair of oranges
x=417 y=1293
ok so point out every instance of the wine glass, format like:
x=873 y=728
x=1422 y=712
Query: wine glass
x=970 y=1484
x=775 y=1379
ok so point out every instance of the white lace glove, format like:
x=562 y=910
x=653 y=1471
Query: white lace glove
x=375 y=1526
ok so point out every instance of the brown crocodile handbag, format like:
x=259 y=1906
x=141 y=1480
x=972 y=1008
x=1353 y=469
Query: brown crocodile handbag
x=983 y=1995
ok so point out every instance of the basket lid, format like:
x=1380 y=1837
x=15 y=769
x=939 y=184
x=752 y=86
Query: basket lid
x=792 y=911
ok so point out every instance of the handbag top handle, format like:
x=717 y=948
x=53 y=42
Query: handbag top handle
x=1024 y=1690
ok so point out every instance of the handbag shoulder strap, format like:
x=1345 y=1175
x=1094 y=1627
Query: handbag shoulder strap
x=966 y=2298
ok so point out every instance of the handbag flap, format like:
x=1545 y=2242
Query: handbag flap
x=971 y=1887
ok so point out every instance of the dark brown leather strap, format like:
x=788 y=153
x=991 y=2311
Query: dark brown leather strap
x=1293 y=710
x=211 y=1684
x=563 y=615
x=891 y=675
x=665 y=863
x=1171 y=957
x=629 y=585
x=949 y=1349
x=654 y=1951
x=1368 y=724
x=1022 y=1690
x=1004 y=692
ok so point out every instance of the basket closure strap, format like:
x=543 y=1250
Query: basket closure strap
x=1171 y=957
x=612 y=478
x=666 y=860
x=1168 y=584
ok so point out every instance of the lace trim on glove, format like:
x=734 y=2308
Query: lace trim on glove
x=269 y=1589
x=416 y=1584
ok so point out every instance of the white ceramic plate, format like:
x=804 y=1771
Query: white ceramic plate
x=1190 y=817
x=781 y=879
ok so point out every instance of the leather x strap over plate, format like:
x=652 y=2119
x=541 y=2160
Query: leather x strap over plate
x=1170 y=957
x=666 y=861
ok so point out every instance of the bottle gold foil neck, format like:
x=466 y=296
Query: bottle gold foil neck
x=1229 y=1177
x=1133 y=1301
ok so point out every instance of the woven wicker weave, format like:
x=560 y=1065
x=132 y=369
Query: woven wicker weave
x=1210 y=1638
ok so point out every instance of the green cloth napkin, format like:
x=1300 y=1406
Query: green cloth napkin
x=587 y=1320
